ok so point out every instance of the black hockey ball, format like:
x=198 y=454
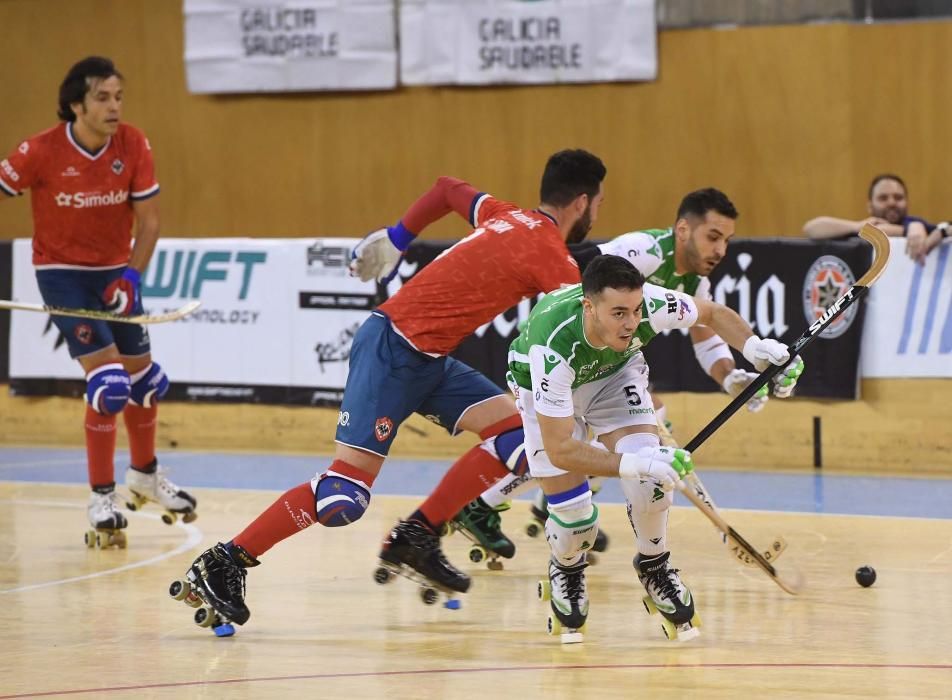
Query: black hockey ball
x=866 y=576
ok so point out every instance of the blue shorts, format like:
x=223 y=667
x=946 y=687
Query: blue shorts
x=83 y=289
x=389 y=380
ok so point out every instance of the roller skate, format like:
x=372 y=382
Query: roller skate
x=566 y=591
x=107 y=521
x=412 y=550
x=215 y=586
x=480 y=524
x=668 y=595
x=152 y=485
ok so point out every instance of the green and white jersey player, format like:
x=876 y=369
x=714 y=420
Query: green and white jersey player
x=577 y=366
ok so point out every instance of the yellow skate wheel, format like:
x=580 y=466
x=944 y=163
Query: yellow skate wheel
x=544 y=590
x=136 y=503
x=552 y=625
x=189 y=517
x=90 y=539
x=669 y=628
x=477 y=553
x=205 y=616
x=101 y=540
x=169 y=518
x=649 y=605
x=696 y=620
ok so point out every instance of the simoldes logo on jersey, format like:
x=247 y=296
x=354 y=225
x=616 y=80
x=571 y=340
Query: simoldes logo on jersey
x=85 y=200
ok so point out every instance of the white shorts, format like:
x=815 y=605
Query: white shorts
x=618 y=401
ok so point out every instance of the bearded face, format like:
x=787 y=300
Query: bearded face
x=581 y=227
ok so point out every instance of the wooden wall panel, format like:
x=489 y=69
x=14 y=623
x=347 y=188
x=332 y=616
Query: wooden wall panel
x=791 y=121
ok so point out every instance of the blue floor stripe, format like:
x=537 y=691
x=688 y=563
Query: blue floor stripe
x=806 y=492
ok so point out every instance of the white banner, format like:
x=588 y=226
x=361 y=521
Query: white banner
x=275 y=312
x=908 y=330
x=287 y=45
x=478 y=42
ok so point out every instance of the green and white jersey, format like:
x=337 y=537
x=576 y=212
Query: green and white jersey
x=552 y=356
x=652 y=252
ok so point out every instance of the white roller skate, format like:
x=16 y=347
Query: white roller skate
x=565 y=589
x=155 y=487
x=668 y=595
x=107 y=521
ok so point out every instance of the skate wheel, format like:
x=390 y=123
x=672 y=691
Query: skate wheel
x=453 y=604
x=649 y=604
x=446 y=530
x=169 y=518
x=669 y=629
x=382 y=575
x=189 y=517
x=477 y=554
x=544 y=590
x=205 y=616
x=429 y=596
x=225 y=629
x=100 y=540
x=696 y=621
x=90 y=539
x=494 y=565
x=180 y=590
x=119 y=539
x=533 y=528
x=552 y=625
x=131 y=505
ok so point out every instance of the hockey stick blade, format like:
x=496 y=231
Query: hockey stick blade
x=790 y=580
x=880 y=245
x=140 y=319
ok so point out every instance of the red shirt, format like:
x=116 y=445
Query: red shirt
x=82 y=201
x=512 y=254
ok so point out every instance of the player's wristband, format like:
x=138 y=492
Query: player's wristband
x=131 y=274
x=631 y=467
x=400 y=236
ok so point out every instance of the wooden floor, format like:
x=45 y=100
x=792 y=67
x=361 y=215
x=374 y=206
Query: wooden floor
x=99 y=623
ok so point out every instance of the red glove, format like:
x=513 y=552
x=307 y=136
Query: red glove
x=122 y=296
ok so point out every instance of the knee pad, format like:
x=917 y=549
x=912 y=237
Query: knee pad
x=509 y=447
x=149 y=386
x=644 y=495
x=108 y=389
x=339 y=500
x=572 y=530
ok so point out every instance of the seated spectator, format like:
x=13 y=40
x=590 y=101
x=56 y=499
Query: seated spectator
x=888 y=209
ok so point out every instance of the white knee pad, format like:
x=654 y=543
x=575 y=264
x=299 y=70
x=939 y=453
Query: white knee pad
x=571 y=531
x=644 y=495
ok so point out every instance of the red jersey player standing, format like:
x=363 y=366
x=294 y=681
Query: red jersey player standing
x=90 y=177
x=399 y=365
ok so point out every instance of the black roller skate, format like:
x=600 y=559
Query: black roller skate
x=565 y=589
x=668 y=595
x=106 y=520
x=480 y=523
x=412 y=550
x=215 y=585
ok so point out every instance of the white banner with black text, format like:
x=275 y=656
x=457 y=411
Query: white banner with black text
x=289 y=45
x=481 y=42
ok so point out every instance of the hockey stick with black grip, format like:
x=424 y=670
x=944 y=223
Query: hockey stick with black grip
x=791 y=582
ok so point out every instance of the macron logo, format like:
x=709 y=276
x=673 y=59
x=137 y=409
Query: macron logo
x=83 y=200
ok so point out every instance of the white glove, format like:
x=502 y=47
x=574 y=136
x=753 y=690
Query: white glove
x=375 y=257
x=665 y=465
x=737 y=381
x=763 y=352
x=785 y=382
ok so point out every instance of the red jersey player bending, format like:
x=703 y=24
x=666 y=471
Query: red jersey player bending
x=89 y=178
x=400 y=364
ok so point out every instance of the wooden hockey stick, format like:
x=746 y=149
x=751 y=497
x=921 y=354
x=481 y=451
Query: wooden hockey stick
x=140 y=319
x=791 y=583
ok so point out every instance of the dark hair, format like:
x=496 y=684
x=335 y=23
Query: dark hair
x=700 y=202
x=885 y=176
x=78 y=81
x=568 y=174
x=610 y=271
